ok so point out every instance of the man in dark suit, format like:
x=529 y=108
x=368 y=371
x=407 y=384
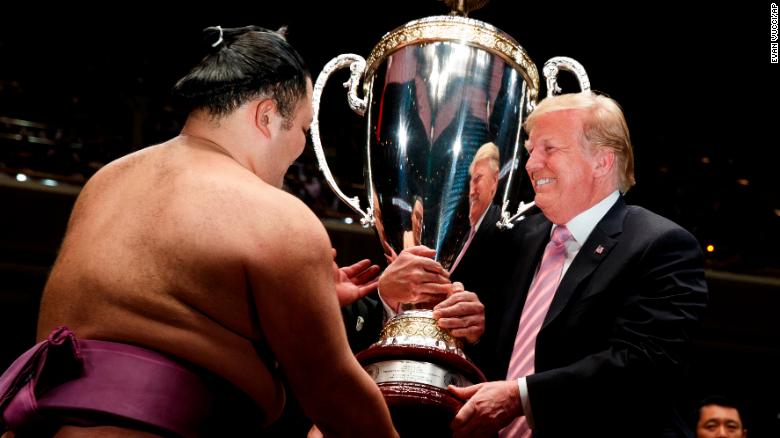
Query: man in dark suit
x=590 y=338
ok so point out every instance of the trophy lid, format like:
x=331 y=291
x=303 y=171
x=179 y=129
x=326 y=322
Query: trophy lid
x=460 y=30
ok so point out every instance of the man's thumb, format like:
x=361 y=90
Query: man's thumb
x=464 y=393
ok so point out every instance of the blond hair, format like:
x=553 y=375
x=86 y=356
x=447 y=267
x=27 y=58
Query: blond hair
x=603 y=126
x=488 y=151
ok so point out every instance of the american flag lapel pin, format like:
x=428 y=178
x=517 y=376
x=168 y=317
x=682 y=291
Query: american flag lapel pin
x=599 y=250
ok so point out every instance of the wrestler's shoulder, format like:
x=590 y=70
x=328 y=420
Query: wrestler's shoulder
x=254 y=193
x=267 y=211
x=290 y=216
x=130 y=160
x=117 y=171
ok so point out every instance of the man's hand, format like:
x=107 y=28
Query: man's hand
x=414 y=277
x=355 y=281
x=462 y=314
x=490 y=407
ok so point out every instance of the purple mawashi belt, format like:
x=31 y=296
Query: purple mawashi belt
x=69 y=381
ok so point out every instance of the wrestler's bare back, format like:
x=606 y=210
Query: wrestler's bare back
x=156 y=255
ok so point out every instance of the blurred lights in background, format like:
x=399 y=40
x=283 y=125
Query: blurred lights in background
x=21 y=177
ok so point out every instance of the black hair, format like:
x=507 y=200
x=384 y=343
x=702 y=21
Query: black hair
x=726 y=402
x=718 y=400
x=242 y=64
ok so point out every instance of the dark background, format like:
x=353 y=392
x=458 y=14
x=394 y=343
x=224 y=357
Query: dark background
x=695 y=81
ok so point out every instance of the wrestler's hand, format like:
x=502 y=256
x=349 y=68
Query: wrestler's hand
x=462 y=314
x=355 y=281
x=490 y=407
x=414 y=277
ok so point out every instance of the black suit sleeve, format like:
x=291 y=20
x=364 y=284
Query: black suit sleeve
x=363 y=320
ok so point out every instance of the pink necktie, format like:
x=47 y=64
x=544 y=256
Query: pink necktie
x=536 y=304
x=463 y=251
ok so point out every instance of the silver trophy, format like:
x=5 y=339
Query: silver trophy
x=440 y=95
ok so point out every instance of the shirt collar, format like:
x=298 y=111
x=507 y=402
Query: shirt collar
x=479 y=222
x=583 y=224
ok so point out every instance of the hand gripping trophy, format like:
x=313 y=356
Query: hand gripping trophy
x=435 y=92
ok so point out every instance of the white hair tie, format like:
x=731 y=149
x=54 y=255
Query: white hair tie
x=219 y=41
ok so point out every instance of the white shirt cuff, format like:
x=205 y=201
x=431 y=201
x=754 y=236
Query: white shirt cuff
x=389 y=313
x=525 y=401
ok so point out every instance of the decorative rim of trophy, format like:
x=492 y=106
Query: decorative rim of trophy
x=414 y=335
x=413 y=327
x=464 y=31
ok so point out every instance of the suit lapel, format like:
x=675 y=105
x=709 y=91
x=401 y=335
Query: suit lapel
x=531 y=248
x=592 y=253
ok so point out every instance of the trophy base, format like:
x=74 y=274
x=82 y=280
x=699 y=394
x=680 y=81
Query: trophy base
x=420 y=410
x=413 y=363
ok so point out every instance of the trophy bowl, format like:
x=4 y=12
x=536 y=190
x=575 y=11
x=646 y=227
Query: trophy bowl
x=441 y=95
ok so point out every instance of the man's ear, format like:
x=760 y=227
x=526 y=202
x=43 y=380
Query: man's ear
x=605 y=159
x=264 y=113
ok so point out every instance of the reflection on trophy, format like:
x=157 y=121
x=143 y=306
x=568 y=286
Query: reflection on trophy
x=436 y=92
x=483 y=181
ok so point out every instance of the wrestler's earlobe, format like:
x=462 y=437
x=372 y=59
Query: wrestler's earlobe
x=263 y=113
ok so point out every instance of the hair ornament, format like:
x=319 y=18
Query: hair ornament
x=219 y=41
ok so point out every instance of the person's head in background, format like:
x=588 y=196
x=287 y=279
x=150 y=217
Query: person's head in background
x=484 y=180
x=417 y=220
x=719 y=417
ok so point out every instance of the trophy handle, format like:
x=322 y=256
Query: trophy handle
x=508 y=222
x=558 y=63
x=357 y=66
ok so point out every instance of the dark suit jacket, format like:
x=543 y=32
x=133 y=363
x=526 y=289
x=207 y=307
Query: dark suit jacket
x=613 y=345
x=363 y=320
x=480 y=253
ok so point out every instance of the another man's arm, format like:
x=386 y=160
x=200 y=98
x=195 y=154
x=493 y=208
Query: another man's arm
x=414 y=277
